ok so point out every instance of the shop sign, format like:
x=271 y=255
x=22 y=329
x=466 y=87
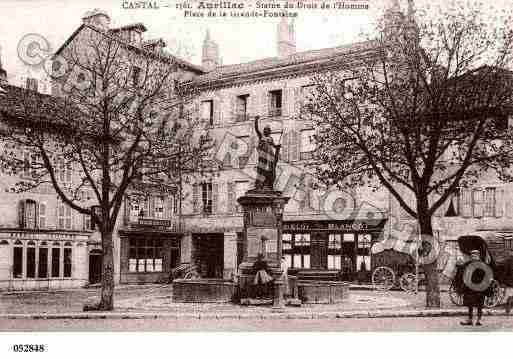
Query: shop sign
x=355 y=226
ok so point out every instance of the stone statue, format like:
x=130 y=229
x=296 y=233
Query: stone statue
x=268 y=154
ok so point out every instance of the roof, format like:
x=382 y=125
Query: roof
x=12 y=102
x=138 y=26
x=272 y=63
x=164 y=55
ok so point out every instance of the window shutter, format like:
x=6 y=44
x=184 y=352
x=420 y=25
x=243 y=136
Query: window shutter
x=126 y=212
x=195 y=198
x=499 y=202
x=466 y=203
x=21 y=214
x=152 y=207
x=232 y=116
x=196 y=110
x=168 y=206
x=297 y=101
x=42 y=215
x=217 y=102
x=284 y=154
x=269 y=104
x=477 y=202
x=294 y=146
x=215 y=197
x=69 y=217
x=230 y=189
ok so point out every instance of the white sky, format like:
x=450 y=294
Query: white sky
x=239 y=40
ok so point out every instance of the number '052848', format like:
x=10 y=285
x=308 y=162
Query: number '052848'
x=28 y=348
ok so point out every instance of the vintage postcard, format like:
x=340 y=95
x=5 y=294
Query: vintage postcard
x=271 y=165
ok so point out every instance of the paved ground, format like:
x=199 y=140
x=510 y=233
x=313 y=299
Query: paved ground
x=498 y=323
x=157 y=298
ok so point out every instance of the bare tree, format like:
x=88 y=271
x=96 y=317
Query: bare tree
x=423 y=115
x=122 y=122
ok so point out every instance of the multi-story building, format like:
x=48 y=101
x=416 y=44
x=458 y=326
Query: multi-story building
x=43 y=243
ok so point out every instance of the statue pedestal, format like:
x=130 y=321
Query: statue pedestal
x=263 y=219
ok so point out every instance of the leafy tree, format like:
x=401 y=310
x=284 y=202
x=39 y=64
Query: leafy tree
x=121 y=124
x=423 y=114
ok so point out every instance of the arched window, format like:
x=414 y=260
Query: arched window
x=56 y=259
x=17 y=263
x=67 y=260
x=43 y=260
x=28 y=213
x=31 y=259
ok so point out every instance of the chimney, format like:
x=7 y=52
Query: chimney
x=97 y=18
x=155 y=45
x=286 y=38
x=3 y=73
x=210 y=56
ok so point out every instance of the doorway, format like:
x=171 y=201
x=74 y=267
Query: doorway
x=209 y=254
x=95 y=266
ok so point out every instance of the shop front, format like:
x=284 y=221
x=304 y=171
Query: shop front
x=328 y=250
x=148 y=256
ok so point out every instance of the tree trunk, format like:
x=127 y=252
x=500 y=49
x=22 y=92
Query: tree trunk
x=430 y=268
x=107 y=293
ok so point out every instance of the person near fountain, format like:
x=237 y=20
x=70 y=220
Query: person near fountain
x=262 y=278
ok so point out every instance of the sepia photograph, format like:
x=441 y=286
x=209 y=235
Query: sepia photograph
x=297 y=167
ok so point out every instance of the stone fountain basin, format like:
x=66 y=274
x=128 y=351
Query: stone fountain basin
x=204 y=290
x=322 y=292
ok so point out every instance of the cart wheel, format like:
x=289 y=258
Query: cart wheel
x=408 y=282
x=497 y=296
x=383 y=278
x=456 y=298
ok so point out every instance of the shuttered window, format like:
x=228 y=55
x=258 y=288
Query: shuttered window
x=466 y=202
x=477 y=203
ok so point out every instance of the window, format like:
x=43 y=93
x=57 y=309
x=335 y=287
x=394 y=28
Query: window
x=296 y=249
x=28 y=214
x=335 y=251
x=67 y=260
x=489 y=205
x=363 y=258
x=242 y=108
x=56 y=261
x=42 y=215
x=307 y=93
x=275 y=103
x=43 y=262
x=207 y=111
x=135 y=209
x=307 y=144
x=477 y=203
x=466 y=202
x=206 y=197
x=17 y=267
x=86 y=222
x=64 y=171
x=159 y=207
x=145 y=255
x=27 y=164
x=136 y=76
x=64 y=215
x=31 y=259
